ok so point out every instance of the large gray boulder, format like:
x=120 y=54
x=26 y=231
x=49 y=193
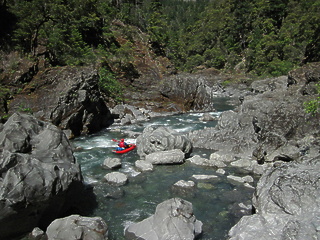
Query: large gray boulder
x=162 y=139
x=75 y=227
x=175 y=156
x=39 y=176
x=287 y=205
x=69 y=97
x=173 y=220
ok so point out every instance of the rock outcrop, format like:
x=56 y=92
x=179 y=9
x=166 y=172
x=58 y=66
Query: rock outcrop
x=193 y=92
x=269 y=125
x=287 y=205
x=173 y=219
x=68 y=97
x=39 y=176
x=76 y=227
x=161 y=139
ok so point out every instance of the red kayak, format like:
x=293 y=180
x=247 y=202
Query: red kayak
x=132 y=146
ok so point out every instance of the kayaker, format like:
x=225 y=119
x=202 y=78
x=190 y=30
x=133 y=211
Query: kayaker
x=122 y=144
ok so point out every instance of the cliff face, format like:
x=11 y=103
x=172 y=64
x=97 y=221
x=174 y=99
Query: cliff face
x=69 y=97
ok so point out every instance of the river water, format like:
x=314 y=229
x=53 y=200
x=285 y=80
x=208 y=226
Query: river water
x=215 y=203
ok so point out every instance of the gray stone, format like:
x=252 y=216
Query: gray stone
x=173 y=220
x=112 y=163
x=38 y=171
x=221 y=171
x=162 y=139
x=69 y=97
x=197 y=160
x=37 y=234
x=207 y=117
x=235 y=179
x=287 y=203
x=127 y=114
x=143 y=165
x=184 y=184
x=205 y=177
x=175 y=156
x=116 y=178
x=268 y=124
x=76 y=227
x=219 y=161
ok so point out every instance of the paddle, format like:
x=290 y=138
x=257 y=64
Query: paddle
x=115 y=140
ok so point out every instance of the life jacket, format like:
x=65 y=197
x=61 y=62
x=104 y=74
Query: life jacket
x=122 y=145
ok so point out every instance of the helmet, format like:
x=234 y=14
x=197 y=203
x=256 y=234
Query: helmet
x=122 y=140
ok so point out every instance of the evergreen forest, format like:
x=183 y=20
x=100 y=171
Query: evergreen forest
x=260 y=37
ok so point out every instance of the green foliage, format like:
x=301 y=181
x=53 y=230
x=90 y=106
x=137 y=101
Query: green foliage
x=4 y=92
x=313 y=106
x=110 y=85
x=268 y=37
x=24 y=109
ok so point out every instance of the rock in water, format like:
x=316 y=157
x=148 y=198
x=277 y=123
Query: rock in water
x=39 y=175
x=76 y=227
x=162 y=139
x=173 y=220
x=174 y=156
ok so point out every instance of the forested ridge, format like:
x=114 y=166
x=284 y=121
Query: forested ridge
x=260 y=36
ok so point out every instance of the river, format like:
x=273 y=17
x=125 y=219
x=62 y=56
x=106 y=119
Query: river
x=215 y=203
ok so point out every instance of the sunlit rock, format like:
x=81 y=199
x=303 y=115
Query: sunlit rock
x=173 y=219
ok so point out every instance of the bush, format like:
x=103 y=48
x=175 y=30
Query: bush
x=110 y=85
x=313 y=106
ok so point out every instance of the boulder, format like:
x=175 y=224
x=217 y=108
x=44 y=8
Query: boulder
x=111 y=163
x=173 y=219
x=162 y=139
x=286 y=203
x=207 y=117
x=127 y=114
x=39 y=176
x=175 y=156
x=184 y=188
x=197 y=160
x=116 y=178
x=69 y=97
x=75 y=227
x=143 y=165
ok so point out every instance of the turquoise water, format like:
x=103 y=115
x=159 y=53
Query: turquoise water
x=213 y=201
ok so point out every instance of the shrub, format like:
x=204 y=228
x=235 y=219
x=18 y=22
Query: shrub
x=110 y=85
x=313 y=106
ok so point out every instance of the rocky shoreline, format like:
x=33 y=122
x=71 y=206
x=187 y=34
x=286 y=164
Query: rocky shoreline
x=269 y=133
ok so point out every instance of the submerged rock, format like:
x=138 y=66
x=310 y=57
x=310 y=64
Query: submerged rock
x=173 y=219
x=40 y=177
